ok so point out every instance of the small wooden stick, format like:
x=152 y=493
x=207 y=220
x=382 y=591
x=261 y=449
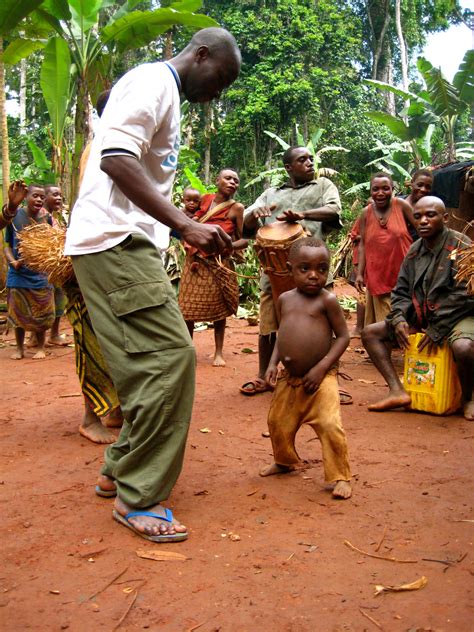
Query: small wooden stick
x=108 y=584
x=381 y=540
x=371 y=619
x=379 y=557
x=124 y=616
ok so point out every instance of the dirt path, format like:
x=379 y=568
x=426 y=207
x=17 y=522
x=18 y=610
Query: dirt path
x=289 y=569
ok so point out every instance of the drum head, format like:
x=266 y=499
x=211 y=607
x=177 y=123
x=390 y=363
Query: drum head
x=280 y=231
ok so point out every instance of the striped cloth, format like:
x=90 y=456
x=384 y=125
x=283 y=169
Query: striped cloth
x=32 y=310
x=91 y=368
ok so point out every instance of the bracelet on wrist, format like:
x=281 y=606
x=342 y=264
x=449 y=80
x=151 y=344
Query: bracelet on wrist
x=8 y=215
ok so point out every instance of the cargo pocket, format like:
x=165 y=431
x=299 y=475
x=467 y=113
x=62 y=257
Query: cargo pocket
x=140 y=308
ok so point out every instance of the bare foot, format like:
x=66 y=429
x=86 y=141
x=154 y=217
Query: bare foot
x=218 y=360
x=18 y=355
x=97 y=433
x=147 y=524
x=354 y=332
x=60 y=340
x=105 y=483
x=114 y=419
x=40 y=355
x=469 y=411
x=32 y=341
x=274 y=468
x=342 y=490
x=394 y=400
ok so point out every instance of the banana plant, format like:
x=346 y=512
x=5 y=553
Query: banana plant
x=440 y=104
x=80 y=44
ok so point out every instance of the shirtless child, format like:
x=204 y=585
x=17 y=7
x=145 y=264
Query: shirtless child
x=312 y=336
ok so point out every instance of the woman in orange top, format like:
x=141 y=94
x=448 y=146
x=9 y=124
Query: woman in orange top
x=384 y=242
x=203 y=294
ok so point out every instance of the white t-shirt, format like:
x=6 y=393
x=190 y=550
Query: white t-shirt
x=142 y=116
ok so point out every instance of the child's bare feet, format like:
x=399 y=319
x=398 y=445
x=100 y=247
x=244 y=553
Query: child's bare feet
x=469 y=411
x=395 y=399
x=92 y=429
x=342 y=490
x=114 y=419
x=274 y=468
x=147 y=524
x=18 y=355
x=218 y=360
x=40 y=355
x=354 y=332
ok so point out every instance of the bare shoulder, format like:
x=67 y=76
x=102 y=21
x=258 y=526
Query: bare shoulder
x=330 y=301
x=236 y=209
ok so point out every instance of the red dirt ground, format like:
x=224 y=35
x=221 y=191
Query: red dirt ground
x=68 y=565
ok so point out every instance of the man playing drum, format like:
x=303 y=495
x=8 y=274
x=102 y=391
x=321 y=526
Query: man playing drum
x=313 y=202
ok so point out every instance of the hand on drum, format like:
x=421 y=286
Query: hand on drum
x=264 y=211
x=290 y=216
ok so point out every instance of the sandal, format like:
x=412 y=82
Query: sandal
x=345 y=397
x=254 y=387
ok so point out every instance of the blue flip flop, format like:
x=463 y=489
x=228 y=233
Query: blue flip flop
x=168 y=517
x=105 y=493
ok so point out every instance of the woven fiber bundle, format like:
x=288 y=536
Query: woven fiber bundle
x=465 y=265
x=41 y=248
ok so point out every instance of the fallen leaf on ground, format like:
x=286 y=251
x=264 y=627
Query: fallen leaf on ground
x=204 y=492
x=366 y=381
x=161 y=556
x=205 y=430
x=416 y=585
x=234 y=537
x=128 y=590
x=247 y=350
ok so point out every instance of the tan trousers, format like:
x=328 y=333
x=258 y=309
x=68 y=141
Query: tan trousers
x=377 y=308
x=292 y=406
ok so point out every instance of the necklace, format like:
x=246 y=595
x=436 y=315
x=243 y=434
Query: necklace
x=382 y=217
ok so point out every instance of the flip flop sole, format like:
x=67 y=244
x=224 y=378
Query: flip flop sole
x=253 y=391
x=178 y=537
x=105 y=493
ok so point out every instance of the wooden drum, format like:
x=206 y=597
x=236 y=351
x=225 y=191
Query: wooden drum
x=272 y=244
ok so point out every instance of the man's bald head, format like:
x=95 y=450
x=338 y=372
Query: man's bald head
x=431 y=200
x=219 y=42
x=209 y=64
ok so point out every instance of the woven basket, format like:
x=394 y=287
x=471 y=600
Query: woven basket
x=41 y=248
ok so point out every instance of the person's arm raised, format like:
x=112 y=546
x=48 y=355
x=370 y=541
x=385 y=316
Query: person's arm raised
x=130 y=177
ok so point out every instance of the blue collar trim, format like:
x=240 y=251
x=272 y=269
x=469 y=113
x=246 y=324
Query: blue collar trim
x=174 y=72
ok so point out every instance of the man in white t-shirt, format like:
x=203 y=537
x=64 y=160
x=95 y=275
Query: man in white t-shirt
x=119 y=223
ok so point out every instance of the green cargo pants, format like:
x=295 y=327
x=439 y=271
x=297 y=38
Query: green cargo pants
x=151 y=359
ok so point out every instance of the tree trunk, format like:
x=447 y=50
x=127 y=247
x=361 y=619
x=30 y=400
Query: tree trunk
x=378 y=13
x=23 y=96
x=5 y=158
x=82 y=135
x=168 y=52
x=207 y=136
x=401 y=43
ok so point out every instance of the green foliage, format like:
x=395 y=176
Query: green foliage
x=55 y=81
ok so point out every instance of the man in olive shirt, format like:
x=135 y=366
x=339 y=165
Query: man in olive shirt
x=313 y=202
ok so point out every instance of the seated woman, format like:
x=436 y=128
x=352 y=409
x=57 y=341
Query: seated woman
x=208 y=292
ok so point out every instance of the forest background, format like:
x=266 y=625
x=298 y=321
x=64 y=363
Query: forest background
x=344 y=77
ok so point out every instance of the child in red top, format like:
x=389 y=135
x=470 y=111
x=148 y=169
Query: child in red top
x=384 y=242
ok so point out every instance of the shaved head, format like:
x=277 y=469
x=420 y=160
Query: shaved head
x=431 y=200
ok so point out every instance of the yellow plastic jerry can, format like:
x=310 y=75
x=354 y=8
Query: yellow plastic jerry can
x=431 y=379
